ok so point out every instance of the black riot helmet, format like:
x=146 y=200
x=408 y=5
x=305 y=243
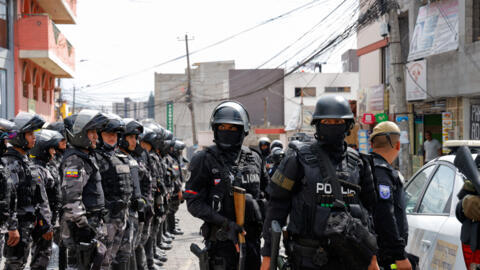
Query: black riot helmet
x=114 y=124
x=132 y=127
x=69 y=121
x=6 y=133
x=233 y=113
x=276 y=143
x=332 y=107
x=277 y=155
x=264 y=146
x=45 y=139
x=149 y=136
x=158 y=129
x=85 y=120
x=25 y=122
x=57 y=126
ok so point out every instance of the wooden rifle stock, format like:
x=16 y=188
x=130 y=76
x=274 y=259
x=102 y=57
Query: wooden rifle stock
x=239 y=202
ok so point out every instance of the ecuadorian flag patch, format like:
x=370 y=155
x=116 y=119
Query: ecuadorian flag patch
x=71 y=174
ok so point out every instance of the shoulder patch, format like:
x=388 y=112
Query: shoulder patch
x=384 y=192
x=71 y=174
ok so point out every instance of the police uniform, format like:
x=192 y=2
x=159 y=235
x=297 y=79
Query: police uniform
x=321 y=186
x=82 y=225
x=28 y=182
x=117 y=186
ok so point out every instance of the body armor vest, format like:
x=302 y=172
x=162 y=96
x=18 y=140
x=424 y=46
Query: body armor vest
x=26 y=187
x=144 y=176
x=5 y=196
x=312 y=204
x=245 y=174
x=116 y=178
x=92 y=195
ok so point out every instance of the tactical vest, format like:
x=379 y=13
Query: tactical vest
x=245 y=174
x=144 y=176
x=116 y=177
x=28 y=181
x=92 y=195
x=312 y=204
x=5 y=196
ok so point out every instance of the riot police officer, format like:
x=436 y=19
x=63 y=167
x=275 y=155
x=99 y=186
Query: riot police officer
x=127 y=144
x=6 y=210
x=32 y=205
x=177 y=182
x=264 y=147
x=83 y=229
x=322 y=186
x=390 y=217
x=148 y=139
x=275 y=157
x=117 y=185
x=208 y=192
x=276 y=143
x=41 y=154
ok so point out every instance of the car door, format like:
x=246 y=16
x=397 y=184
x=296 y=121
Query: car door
x=431 y=212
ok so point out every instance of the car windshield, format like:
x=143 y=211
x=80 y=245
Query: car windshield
x=438 y=192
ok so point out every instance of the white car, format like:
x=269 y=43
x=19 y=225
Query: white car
x=433 y=229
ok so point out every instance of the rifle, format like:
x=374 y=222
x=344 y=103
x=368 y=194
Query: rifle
x=239 y=202
x=466 y=165
x=202 y=255
x=276 y=235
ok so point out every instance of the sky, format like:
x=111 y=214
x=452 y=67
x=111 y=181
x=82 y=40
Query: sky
x=125 y=38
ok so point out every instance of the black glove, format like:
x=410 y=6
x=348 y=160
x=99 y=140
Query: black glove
x=85 y=234
x=232 y=230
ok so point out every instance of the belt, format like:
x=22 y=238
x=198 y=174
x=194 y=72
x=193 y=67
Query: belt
x=308 y=242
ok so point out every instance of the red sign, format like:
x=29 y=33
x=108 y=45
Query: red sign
x=368 y=118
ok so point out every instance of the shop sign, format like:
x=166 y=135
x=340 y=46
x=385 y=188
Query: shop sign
x=401 y=118
x=368 y=118
x=381 y=117
x=447 y=125
x=363 y=144
x=475 y=122
x=436 y=29
x=416 y=80
x=170 y=116
x=375 y=97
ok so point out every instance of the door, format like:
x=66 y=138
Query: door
x=431 y=211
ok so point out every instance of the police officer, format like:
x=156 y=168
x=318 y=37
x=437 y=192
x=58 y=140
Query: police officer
x=147 y=141
x=41 y=154
x=264 y=147
x=321 y=185
x=275 y=157
x=390 y=217
x=83 y=229
x=177 y=181
x=276 y=143
x=117 y=185
x=208 y=192
x=32 y=205
x=6 y=210
x=127 y=143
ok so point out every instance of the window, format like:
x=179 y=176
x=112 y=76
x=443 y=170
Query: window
x=415 y=188
x=3 y=24
x=336 y=89
x=44 y=95
x=476 y=21
x=307 y=91
x=25 y=89
x=35 y=92
x=437 y=196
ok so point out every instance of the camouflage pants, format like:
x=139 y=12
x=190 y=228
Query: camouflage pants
x=129 y=240
x=116 y=227
x=152 y=240
x=41 y=252
x=16 y=257
x=85 y=257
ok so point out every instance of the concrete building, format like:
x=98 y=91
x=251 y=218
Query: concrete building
x=137 y=110
x=41 y=53
x=305 y=88
x=350 y=61
x=7 y=71
x=209 y=82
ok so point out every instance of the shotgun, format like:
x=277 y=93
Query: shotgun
x=239 y=202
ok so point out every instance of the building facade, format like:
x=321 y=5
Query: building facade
x=137 y=110
x=41 y=53
x=350 y=61
x=302 y=91
x=209 y=83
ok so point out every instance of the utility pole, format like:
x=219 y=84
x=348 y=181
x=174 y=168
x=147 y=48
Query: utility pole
x=397 y=82
x=265 y=104
x=189 y=95
x=73 y=105
x=300 y=117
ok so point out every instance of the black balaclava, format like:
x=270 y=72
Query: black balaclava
x=332 y=137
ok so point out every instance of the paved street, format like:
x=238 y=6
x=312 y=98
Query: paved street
x=180 y=257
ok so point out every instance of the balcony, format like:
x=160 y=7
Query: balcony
x=40 y=41
x=61 y=11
